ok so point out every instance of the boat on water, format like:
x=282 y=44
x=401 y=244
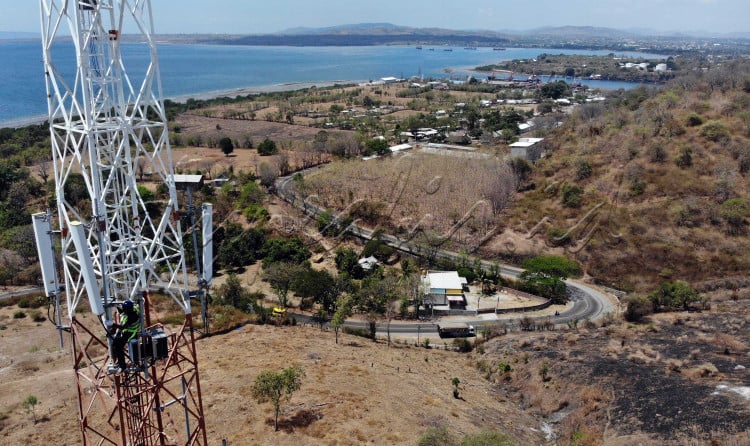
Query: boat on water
x=498 y=49
x=419 y=47
x=470 y=48
x=447 y=49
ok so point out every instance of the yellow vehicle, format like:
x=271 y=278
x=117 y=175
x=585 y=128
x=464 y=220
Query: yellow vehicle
x=277 y=312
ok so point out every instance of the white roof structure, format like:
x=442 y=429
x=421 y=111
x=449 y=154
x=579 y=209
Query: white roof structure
x=526 y=142
x=444 y=280
x=525 y=126
x=400 y=148
x=367 y=263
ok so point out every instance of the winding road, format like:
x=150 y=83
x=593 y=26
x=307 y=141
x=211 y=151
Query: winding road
x=588 y=302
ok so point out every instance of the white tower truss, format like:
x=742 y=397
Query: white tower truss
x=107 y=130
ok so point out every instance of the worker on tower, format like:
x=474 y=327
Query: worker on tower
x=125 y=331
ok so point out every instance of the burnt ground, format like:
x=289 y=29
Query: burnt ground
x=652 y=383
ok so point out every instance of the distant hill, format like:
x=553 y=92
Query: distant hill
x=582 y=31
x=368 y=34
x=361 y=27
x=11 y=35
x=581 y=37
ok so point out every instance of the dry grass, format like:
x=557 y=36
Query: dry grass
x=357 y=392
x=414 y=192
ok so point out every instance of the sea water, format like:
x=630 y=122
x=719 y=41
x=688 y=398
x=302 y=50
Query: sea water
x=199 y=69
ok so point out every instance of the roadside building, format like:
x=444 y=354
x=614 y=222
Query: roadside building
x=529 y=149
x=444 y=288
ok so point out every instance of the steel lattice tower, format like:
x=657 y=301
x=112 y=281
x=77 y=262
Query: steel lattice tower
x=106 y=127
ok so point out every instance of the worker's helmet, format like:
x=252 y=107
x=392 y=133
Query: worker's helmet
x=127 y=305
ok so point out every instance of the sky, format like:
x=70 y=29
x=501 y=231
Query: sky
x=253 y=17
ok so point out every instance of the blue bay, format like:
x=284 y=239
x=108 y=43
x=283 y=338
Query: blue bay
x=199 y=69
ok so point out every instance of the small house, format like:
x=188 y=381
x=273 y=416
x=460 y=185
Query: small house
x=529 y=149
x=444 y=288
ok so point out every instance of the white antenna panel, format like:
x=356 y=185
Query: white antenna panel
x=78 y=234
x=42 y=234
x=208 y=242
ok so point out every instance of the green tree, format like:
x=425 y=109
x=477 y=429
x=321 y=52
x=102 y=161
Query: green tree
x=290 y=250
x=277 y=387
x=29 y=404
x=555 y=90
x=226 y=145
x=343 y=311
x=281 y=275
x=241 y=249
x=319 y=285
x=545 y=276
x=231 y=291
x=377 y=146
x=372 y=300
x=347 y=261
x=674 y=295
x=267 y=147
x=455 y=382
x=557 y=266
x=250 y=193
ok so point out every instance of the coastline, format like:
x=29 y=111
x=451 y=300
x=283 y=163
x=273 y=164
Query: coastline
x=232 y=92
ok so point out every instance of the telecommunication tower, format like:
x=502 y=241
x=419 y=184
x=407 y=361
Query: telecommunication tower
x=110 y=246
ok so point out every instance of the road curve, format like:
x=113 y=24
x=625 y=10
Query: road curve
x=588 y=303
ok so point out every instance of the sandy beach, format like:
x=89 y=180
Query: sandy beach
x=39 y=119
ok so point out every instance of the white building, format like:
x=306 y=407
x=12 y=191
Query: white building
x=529 y=149
x=444 y=288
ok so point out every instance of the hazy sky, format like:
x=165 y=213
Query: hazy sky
x=249 y=17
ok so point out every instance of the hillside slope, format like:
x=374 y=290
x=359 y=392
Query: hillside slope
x=652 y=186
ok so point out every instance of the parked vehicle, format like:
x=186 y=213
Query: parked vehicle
x=456 y=330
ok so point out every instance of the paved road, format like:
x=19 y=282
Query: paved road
x=9 y=294
x=588 y=303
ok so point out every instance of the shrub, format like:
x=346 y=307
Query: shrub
x=488 y=438
x=685 y=158
x=558 y=236
x=462 y=345
x=583 y=169
x=19 y=315
x=657 y=153
x=571 y=195
x=437 y=436
x=267 y=147
x=637 y=307
x=734 y=211
x=694 y=120
x=714 y=131
x=361 y=332
x=467 y=273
